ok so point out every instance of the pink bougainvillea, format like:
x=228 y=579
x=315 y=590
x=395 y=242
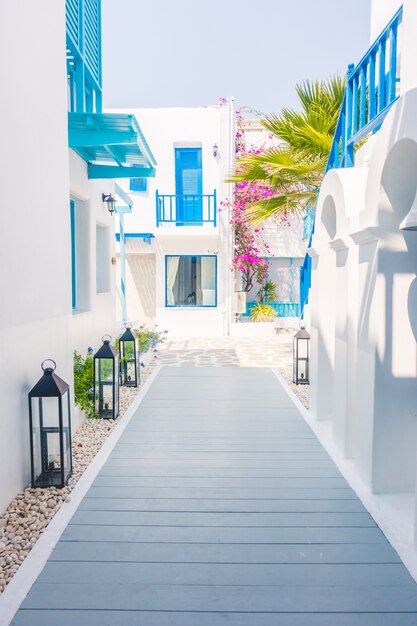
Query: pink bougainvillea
x=248 y=258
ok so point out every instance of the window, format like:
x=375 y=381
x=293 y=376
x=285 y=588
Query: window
x=102 y=259
x=138 y=184
x=80 y=255
x=191 y=281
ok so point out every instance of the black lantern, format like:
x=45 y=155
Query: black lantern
x=106 y=380
x=301 y=357
x=109 y=201
x=129 y=372
x=50 y=430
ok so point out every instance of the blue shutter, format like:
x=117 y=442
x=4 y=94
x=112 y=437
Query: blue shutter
x=188 y=183
x=138 y=184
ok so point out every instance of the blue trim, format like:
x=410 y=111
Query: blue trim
x=145 y=236
x=123 y=196
x=115 y=171
x=188 y=190
x=283 y=309
x=122 y=267
x=202 y=209
x=192 y=306
x=138 y=183
x=73 y=256
x=368 y=97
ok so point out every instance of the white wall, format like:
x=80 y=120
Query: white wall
x=35 y=312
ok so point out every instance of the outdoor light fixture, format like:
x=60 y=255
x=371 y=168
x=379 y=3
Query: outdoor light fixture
x=50 y=430
x=106 y=380
x=128 y=358
x=110 y=201
x=301 y=357
x=215 y=150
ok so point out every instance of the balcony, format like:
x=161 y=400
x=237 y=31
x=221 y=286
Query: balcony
x=186 y=210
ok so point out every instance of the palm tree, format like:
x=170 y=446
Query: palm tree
x=296 y=167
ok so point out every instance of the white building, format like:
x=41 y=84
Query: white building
x=57 y=237
x=363 y=300
x=177 y=240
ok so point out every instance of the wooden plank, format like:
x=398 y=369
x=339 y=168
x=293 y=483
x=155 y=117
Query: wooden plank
x=131 y=596
x=224 y=482
x=217 y=492
x=219 y=505
x=212 y=618
x=224 y=553
x=169 y=518
x=220 y=472
x=228 y=574
x=177 y=534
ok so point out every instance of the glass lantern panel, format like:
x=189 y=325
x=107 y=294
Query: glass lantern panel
x=127 y=351
x=103 y=372
x=302 y=370
x=303 y=348
x=66 y=434
x=129 y=372
x=46 y=442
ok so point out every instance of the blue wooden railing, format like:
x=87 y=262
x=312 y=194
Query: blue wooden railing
x=371 y=90
x=187 y=209
x=283 y=309
x=83 y=26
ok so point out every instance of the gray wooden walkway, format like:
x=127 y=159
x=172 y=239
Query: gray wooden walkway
x=219 y=506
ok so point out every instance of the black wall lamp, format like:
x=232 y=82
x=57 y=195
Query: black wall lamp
x=110 y=201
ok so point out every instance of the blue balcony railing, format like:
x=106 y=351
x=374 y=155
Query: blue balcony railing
x=372 y=87
x=186 y=210
x=371 y=90
x=283 y=309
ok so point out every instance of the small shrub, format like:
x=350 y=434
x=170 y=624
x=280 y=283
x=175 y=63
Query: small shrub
x=268 y=291
x=84 y=382
x=262 y=313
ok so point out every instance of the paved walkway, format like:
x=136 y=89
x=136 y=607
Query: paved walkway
x=219 y=506
x=228 y=351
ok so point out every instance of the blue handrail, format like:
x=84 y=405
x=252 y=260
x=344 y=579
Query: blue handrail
x=186 y=209
x=371 y=90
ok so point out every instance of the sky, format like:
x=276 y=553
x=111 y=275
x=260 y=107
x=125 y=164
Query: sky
x=169 y=53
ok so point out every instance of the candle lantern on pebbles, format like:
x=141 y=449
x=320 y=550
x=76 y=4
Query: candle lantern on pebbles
x=129 y=371
x=301 y=357
x=50 y=429
x=106 y=380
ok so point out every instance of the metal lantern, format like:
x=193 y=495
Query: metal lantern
x=50 y=430
x=106 y=380
x=129 y=370
x=301 y=357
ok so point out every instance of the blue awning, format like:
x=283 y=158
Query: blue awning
x=110 y=143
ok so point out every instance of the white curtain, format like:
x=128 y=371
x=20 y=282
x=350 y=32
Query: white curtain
x=172 y=270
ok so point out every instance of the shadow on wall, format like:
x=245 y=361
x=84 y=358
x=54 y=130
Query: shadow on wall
x=142 y=302
x=395 y=411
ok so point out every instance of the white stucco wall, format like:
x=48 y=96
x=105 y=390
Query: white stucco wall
x=35 y=313
x=39 y=176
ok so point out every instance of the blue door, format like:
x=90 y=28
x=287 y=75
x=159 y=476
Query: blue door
x=188 y=186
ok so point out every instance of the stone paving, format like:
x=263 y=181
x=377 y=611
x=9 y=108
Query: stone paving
x=274 y=351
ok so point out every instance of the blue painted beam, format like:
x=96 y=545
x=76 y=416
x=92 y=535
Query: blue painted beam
x=136 y=236
x=123 y=195
x=122 y=267
x=118 y=171
x=81 y=138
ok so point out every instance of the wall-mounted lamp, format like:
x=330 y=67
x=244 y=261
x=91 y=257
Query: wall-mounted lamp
x=215 y=150
x=110 y=201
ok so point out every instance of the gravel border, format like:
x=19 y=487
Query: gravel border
x=29 y=514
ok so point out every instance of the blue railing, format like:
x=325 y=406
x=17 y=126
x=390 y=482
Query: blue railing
x=83 y=23
x=187 y=209
x=283 y=309
x=371 y=90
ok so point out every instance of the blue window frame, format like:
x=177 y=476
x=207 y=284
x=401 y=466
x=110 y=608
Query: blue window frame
x=73 y=256
x=189 y=185
x=191 y=280
x=138 y=184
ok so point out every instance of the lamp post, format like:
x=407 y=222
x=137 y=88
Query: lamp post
x=106 y=380
x=301 y=357
x=50 y=430
x=128 y=358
